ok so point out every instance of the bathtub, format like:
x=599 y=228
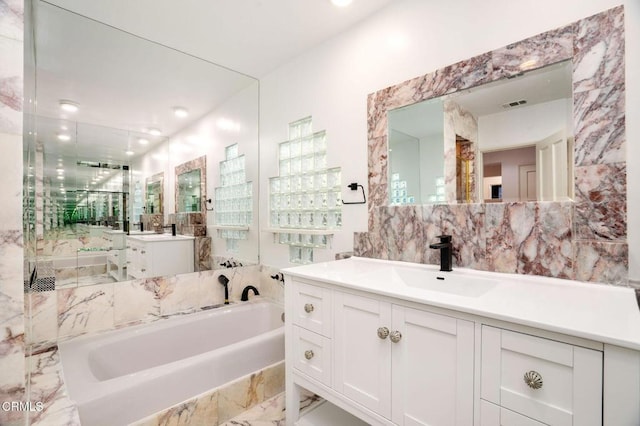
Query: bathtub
x=124 y=375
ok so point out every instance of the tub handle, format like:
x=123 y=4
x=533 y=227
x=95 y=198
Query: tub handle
x=308 y=308
x=308 y=354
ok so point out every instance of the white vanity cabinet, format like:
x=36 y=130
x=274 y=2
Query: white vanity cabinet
x=384 y=360
x=152 y=256
x=391 y=355
x=117 y=254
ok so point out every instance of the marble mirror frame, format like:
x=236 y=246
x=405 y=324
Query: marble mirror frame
x=597 y=215
x=199 y=163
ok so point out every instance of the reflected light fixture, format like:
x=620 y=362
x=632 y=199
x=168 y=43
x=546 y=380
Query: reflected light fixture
x=64 y=137
x=143 y=141
x=180 y=112
x=129 y=152
x=69 y=106
x=341 y=3
x=154 y=132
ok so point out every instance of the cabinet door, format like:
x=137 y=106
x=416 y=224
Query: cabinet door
x=566 y=380
x=432 y=369
x=362 y=360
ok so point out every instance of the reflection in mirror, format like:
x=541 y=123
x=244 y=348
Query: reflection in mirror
x=189 y=191
x=513 y=140
x=100 y=139
x=416 y=150
x=154 y=194
x=191 y=184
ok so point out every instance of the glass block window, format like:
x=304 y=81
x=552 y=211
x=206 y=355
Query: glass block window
x=233 y=199
x=306 y=195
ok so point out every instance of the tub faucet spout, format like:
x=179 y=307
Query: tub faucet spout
x=225 y=282
x=445 y=248
x=245 y=293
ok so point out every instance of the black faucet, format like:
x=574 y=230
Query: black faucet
x=173 y=228
x=225 y=281
x=445 y=248
x=245 y=293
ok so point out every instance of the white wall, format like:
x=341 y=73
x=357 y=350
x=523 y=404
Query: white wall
x=404 y=40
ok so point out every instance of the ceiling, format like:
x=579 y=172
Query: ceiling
x=249 y=36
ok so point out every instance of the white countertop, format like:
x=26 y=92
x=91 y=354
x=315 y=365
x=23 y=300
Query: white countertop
x=603 y=313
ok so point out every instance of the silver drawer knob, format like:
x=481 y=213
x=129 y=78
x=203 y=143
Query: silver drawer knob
x=533 y=379
x=383 y=332
x=308 y=354
x=308 y=308
x=395 y=336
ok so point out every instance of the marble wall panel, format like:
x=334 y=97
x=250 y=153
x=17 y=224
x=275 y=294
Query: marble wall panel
x=401 y=227
x=85 y=310
x=601 y=202
x=11 y=86
x=12 y=19
x=534 y=52
x=604 y=262
x=47 y=386
x=465 y=223
x=598 y=56
x=136 y=301
x=599 y=124
x=42 y=310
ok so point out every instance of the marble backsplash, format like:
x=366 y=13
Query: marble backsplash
x=73 y=311
x=526 y=237
x=585 y=239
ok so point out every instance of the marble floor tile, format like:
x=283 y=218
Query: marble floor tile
x=271 y=412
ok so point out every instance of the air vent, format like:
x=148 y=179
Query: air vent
x=514 y=104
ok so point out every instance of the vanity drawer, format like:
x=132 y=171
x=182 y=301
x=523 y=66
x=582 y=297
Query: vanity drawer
x=493 y=415
x=568 y=379
x=312 y=308
x=312 y=354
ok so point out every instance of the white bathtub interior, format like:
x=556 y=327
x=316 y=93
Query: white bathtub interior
x=124 y=375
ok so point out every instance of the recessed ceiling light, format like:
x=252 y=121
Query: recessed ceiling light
x=129 y=152
x=154 y=132
x=180 y=112
x=60 y=171
x=143 y=141
x=61 y=177
x=341 y=3
x=63 y=127
x=64 y=137
x=69 y=106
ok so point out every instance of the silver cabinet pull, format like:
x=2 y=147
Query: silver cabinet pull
x=308 y=308
x=533 y=379
x=142 y=251
x=143 y=270
x=383 y=332
x=308 y=354
x=395 y=336
x=134 y=249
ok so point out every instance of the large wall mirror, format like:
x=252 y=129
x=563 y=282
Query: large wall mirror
x=115 y=114
x=513 y=141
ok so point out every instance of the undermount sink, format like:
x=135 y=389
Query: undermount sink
x=445 y=282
